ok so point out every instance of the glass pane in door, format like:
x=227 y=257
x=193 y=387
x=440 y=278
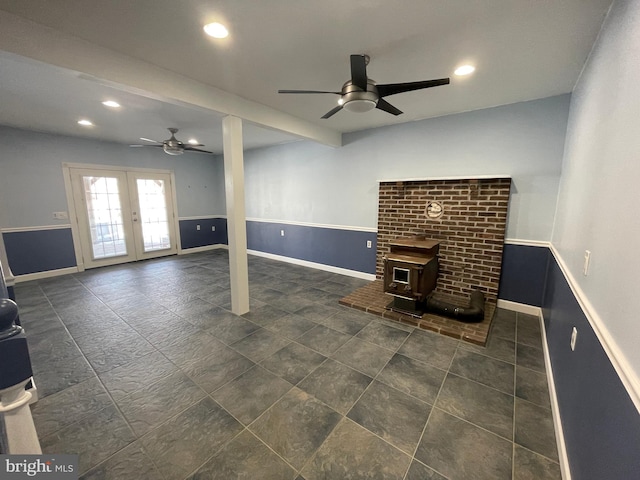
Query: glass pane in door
x=102 y=199
x=153 y=214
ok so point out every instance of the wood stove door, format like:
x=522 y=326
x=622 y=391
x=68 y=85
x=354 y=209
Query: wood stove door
x=401 y=279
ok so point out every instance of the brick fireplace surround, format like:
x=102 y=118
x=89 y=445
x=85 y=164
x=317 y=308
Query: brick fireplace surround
x=471 y=232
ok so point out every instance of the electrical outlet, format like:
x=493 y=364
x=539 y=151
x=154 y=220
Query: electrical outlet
x=213 y=228
x=282 y=233
x=574 y=336
x=197 y=227
x=587 y=258
x=368 y=243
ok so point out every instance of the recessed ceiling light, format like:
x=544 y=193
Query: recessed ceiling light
x=111 y=104
x=85 y=123
x=465 y=70
x=216 y=30
x=193 y=141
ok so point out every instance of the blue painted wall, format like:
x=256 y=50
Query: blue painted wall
x=328 y=246
x=600 y=422
x=43 y=250
x=191 y=237
x=39 y=250
x=523 y=275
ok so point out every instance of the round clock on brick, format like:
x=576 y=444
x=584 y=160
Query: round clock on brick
x=434 y=209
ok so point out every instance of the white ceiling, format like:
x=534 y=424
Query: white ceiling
x=522 y=49
x=41 y=97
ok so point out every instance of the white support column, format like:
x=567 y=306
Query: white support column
x=4 y=265
x=18 y=422
x=236 y=219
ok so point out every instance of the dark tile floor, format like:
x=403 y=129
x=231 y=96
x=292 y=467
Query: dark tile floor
x=145 y=373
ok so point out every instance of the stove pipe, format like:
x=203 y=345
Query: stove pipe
x=473 y=313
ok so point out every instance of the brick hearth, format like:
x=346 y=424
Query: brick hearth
x=371 y=298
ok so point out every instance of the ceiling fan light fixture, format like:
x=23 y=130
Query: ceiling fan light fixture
x=464 y=70
x=173 y=149
x=216 y=30
x=173 y=146
x=360 y=105
x=362 y=94
x=359 y=101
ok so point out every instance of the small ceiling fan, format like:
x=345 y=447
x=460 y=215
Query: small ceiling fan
x=361 y=94
x=173 y=146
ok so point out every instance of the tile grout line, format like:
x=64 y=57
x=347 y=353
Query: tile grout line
x=448 y=370
x=139 y=437
x=413 y=455
x=515 y=382
x=344 y=417
x=165 y=420
x=298 y=472
x=433 y=407
x=115 y=405
x=245 y=428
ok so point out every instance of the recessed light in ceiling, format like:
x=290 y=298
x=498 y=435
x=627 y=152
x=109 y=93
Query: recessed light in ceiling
x=111 y=104
x=464 y=70
x=85 y=123
x=216 y=30
x=193 y=141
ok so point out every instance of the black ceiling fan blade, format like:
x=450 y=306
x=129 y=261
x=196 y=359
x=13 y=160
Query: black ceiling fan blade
x=192 y=149
x=393 y=88
x=307 y=91
x=332 y=112
x=387 y=107
x=359 y=71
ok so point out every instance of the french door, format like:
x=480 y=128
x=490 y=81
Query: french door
x=123 y=216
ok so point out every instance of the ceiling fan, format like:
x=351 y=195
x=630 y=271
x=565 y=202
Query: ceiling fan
x=361 y=94
x=173 y=146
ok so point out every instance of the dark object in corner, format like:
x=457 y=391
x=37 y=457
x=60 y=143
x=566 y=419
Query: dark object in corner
x=473 y=313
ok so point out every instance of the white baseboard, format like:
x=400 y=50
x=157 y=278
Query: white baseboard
x=34 y=392
x=519 y=307
x=563 y=459
x=318 y=266
x=46 y=274
x=555 y=409
x=527 y=243
x=204 y=248
x=280 y=258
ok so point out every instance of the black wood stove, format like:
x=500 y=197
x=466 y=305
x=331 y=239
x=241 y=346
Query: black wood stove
x=410 y=273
